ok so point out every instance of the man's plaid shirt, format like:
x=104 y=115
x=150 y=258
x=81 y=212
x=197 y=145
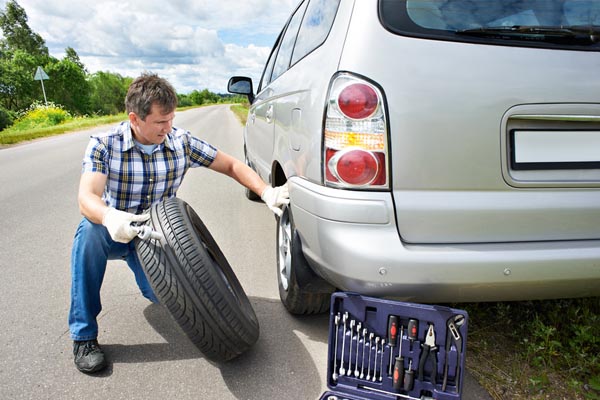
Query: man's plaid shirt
x=137 y=180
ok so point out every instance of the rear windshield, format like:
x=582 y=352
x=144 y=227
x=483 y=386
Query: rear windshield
x=568 y=24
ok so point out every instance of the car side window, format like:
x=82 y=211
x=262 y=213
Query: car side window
x=315 y=27
x=284 y=54
x=266 y=77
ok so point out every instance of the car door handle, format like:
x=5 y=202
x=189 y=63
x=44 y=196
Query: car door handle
x=269 y=114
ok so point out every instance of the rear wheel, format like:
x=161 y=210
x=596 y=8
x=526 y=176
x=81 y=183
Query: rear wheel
x=192 y=278
x=290 y=265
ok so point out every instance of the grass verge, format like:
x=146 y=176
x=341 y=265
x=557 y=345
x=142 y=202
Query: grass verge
x=536 y=349
x=12 y=136
x=241 y=111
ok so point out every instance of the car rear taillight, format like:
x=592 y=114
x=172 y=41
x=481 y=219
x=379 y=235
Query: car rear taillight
x=355 y=148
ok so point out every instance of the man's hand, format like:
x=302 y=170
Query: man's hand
x=118 y=224
x=276 y=197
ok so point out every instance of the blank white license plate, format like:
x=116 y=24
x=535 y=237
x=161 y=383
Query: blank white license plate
x=554 y=149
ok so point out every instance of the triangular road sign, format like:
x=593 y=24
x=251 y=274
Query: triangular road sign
x=40 y=74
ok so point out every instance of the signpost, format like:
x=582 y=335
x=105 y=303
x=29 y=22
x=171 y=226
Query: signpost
x=40 y=75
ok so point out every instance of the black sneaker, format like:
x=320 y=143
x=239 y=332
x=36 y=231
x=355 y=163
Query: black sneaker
x=89 y=357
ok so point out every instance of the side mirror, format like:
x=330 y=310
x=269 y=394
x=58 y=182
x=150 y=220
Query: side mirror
x=241 y=85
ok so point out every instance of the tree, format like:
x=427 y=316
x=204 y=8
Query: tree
x=17 y=33
x=108 y=92
x=21 y=51
x=72 y=56
x=68 y=85
x=196 y=98
x=17 y=87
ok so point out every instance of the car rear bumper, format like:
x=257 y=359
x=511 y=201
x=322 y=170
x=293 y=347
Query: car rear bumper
x=350 y=238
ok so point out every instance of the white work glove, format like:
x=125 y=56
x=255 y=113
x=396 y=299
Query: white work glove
x=119 y=226
x=276 y=197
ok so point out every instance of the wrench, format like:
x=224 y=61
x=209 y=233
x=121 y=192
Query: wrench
x=362 y=367
x=342 y=369
x=381 y=361
x=337 y=322
x=358 y=327
x=375 y=363
x=144 y=232
x=349 y=372
x=370 y=349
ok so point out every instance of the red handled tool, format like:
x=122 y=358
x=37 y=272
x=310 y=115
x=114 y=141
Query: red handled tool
x=392 y=334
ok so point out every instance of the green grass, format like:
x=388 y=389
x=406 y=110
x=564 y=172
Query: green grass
x=41 y=121
x=536 y=349
x=13 y=135
x=241 y=111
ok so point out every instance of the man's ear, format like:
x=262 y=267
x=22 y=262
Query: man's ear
x=133 y=118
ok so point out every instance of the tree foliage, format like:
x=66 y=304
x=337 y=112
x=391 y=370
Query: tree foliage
x=17 y=33
x=108 y=92
x=68 y=86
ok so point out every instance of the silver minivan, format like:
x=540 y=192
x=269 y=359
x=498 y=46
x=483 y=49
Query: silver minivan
x=436 y=150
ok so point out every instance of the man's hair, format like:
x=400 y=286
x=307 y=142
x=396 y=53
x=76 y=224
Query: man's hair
x=150 y=89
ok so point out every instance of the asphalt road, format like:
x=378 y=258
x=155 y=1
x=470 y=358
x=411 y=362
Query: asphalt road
x=149 y=357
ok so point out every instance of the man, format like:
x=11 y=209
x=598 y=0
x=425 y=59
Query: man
x=125 y=171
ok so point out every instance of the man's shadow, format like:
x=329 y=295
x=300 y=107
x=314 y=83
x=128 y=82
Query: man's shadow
x=278 y=353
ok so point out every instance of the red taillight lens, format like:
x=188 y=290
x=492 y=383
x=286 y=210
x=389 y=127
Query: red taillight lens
x=358 y=101
x=355 y=167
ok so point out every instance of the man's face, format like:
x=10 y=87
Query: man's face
x=155 y=128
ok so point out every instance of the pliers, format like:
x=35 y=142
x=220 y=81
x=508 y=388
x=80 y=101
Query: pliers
x=428 y=351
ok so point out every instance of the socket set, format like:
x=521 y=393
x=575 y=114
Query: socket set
x=385 y=349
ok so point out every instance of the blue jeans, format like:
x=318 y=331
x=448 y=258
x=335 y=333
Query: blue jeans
x=92 y=248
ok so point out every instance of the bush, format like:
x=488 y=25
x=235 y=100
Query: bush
x=39 y=116
x=6 y=118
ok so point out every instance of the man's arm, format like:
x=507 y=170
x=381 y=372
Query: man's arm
x=91 y=187
x=118 y=223
x=236 y=169
x=274 y=198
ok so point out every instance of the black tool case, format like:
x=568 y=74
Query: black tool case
x=356 y=354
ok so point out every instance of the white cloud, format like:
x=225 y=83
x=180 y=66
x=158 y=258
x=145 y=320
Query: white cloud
x=196 y=44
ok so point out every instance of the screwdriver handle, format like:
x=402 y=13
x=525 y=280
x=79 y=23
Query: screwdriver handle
x=409 y=378
x=398 y=376
x=392 y=330
x=413 y=329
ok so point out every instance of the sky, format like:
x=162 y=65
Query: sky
x=195 y=44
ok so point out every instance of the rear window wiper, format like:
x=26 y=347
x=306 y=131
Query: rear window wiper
x=588 y=34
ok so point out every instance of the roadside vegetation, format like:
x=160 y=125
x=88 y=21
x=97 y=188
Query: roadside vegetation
x=241 y=111
x=536 y=349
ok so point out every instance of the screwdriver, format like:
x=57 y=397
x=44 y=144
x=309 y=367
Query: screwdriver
x=392 y=338
x=398 y=376
x=409 y=377
x=413 y=331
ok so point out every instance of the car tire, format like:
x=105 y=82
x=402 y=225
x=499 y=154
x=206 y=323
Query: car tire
x=290 y=262
x=193 y=280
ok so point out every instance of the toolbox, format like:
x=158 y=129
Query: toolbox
x=383 y=349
